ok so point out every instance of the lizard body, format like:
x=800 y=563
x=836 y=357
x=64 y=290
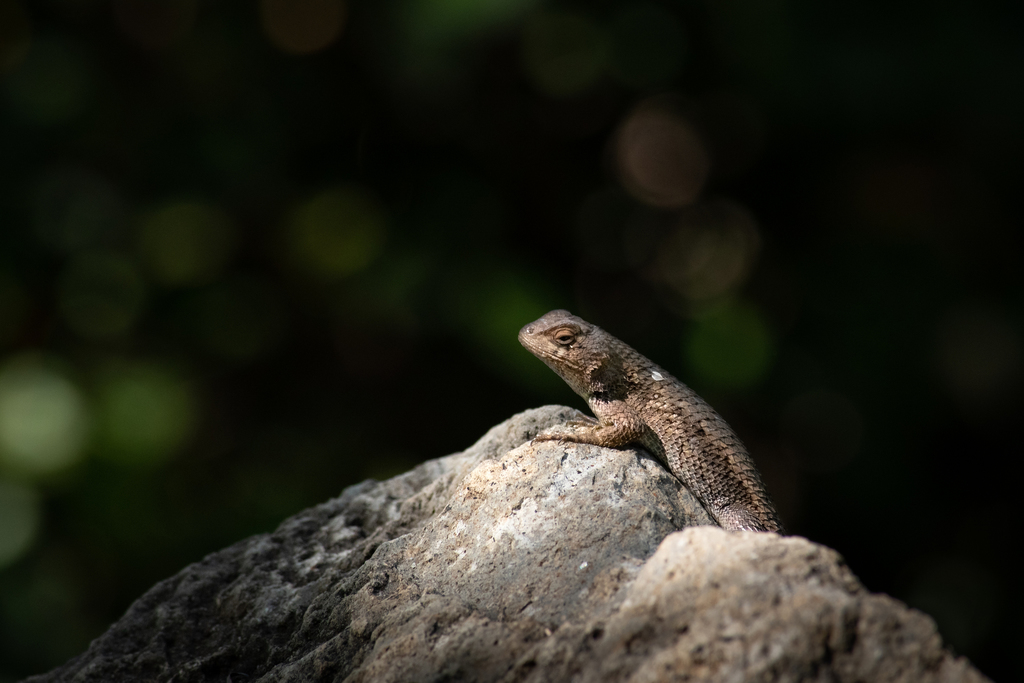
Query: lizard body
x=635 y=401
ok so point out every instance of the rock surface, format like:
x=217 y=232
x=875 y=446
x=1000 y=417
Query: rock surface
x=514 y=562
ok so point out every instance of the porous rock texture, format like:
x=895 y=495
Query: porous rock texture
x=517 y=562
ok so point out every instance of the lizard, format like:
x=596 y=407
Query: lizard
x=637 y=402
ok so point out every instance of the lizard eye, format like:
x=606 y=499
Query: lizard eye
x=565 y=337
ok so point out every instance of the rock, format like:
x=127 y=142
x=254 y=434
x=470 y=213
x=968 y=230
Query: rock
x=517 y=562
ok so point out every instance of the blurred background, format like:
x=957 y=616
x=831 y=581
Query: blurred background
x=254 y=252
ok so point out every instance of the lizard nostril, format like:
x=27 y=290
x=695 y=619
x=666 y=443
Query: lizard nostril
x=529 y=330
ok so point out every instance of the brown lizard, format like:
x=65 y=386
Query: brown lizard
x=635 y=401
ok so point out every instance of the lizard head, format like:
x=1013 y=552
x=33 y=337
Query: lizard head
x=568 y=345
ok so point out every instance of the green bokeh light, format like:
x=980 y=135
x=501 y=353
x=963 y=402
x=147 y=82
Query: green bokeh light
x=53 y=84
x=145 y=413
x=43 y=418
x=101 y=295
x=447 y=20
x=336 y=233
x=19 y=520
x=564 y=53
x=492 y=306
x=185 y=243
x=730 y=348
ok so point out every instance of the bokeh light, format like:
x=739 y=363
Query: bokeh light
x=240 y=319
x=302 y=26
x=44 y=418
x=185 y=243
x=564 y=53
x=730 y=347
x=101 y=294
x=144 y=413
x=710 y=252
x=15 y=34
x=439 y=22
x=489 y=306
x=53 y=84
x=336 y=233
x=155 y=24
x=824 y=429
x=75 y=207
x=660 y=158
x=423 y=56
x=20 y=518
x=648 y=45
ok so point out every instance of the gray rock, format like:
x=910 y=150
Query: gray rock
x=515 y=562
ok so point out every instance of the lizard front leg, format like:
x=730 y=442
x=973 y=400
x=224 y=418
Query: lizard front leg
x=616 y=425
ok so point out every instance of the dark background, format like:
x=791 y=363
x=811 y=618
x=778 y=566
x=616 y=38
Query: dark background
x=252 y=253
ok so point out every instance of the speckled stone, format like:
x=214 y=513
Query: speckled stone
x=514 y=561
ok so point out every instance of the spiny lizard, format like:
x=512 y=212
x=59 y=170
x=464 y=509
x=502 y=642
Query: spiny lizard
x=635 y=401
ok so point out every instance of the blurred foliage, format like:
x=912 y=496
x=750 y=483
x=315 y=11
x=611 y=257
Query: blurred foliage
x=251 y=253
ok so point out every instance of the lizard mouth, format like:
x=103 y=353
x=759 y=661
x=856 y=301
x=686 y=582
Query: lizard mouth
x=535 y=344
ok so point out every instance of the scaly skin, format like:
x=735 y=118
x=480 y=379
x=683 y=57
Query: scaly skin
x=636 y=401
